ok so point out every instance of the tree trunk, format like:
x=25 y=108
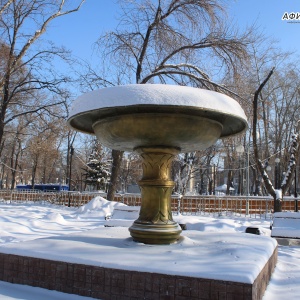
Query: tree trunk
x=268 y=184
x=1 y=129
x=34 y=167
x=210 y=186
x=229 y=181
x=277 y=204
x=201 y=191
x=117 y=160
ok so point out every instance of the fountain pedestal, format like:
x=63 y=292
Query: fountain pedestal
x=155 y=224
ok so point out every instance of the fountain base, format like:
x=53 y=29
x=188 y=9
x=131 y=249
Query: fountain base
x=155 y=233
x=155 y=224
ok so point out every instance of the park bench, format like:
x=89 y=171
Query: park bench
x=285 y=228
x=122 y=216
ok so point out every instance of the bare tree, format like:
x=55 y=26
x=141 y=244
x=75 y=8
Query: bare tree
x=184 y=167
x=163 y=40
x=26 y=66
x=181 y=41
x=277 y=194
x=43 y=150
x=278 y=107
x=116 y=165
x=131 y=171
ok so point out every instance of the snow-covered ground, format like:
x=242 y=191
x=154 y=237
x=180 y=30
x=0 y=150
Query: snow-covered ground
x=28 y=222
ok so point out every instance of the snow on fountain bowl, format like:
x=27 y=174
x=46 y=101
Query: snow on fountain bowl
x=157 y=121
x=179 y=116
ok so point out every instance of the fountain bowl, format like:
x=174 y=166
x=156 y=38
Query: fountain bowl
x=158 y=122
x=127 y=117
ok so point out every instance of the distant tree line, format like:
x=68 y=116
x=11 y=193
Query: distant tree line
x=184 y=42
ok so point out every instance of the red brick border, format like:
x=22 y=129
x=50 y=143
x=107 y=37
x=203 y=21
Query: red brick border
x=115 y=284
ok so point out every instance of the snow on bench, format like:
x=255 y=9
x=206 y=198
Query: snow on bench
x=122 y=216
x=286 y=226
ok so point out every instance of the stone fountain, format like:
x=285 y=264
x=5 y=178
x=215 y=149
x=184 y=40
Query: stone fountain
x=158 y=122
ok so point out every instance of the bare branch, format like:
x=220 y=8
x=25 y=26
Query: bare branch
x=42 y=29
x=202 y=81
x=6 y=5
x=32 y=111
x=140 y=60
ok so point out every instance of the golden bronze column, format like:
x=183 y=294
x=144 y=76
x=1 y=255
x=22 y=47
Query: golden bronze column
x=155 y=224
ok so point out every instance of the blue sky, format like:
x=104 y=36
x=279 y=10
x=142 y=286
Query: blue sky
x=267 y=15
x=78 y=31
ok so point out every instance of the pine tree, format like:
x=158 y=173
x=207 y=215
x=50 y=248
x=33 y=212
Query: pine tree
x=97 y=169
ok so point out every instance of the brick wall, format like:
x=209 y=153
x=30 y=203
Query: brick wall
x=114 y=284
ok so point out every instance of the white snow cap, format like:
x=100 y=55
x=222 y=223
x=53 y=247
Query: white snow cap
x=156 y=94
x=157 y=98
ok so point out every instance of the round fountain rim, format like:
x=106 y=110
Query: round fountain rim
x=148 y=98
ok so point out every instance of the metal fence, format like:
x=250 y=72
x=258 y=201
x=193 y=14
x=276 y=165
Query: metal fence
x=186 y=205
x=254 y=206
x=229 y=205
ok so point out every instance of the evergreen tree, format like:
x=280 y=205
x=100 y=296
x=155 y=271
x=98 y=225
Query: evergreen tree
x=97 y=170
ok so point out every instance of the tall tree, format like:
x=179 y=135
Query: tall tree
x=186 y=42
x=278 y=106
x=277 y=193
x=26 y=66
x=97 y=168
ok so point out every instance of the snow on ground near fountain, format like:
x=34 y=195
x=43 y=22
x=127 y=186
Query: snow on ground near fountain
x=217 y=255
x=28 y=222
